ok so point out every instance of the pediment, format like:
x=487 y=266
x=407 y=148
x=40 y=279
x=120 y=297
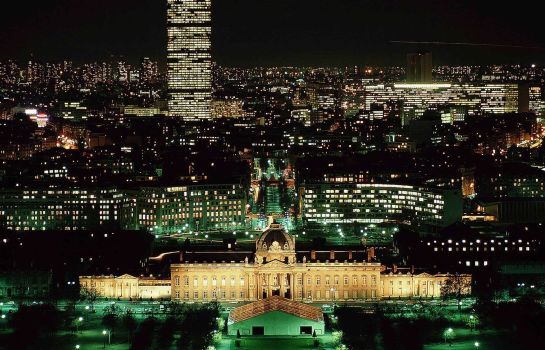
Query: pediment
x=424 y=275
x=275 y=264
x=126 y=277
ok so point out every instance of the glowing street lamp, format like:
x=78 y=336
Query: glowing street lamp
x=476 y=344
x=104 y=333
x=78 y=321
x=77 y=346
x=448 y=333
x=332 y=290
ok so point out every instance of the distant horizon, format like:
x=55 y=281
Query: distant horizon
x=162 y=65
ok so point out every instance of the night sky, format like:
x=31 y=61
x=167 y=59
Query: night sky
x=278 y=32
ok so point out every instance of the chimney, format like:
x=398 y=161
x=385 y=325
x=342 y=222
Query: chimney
x=349 y=255
x=412 y=269
x=332 y=255
x=394 y=268
x=370 y=254
x=312 y=255
x=181 y=256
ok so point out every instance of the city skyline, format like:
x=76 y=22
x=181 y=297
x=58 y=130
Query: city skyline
x=279 y=33
x=259 y=174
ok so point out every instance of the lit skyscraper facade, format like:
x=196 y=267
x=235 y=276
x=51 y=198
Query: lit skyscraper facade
x=189 y=58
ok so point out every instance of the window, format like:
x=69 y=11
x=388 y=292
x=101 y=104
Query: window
x=242 y=281
x=205 y=295
x=373 y=280
x=177 y=281
x=354 y=280
x=177 y=295
x=195 y=282
x=326 y=280
x=318 y=280
x=364 y=280
x=186 y=295
x=299 y=280
x=232 y=281
x=205 y=281
x=214 y=294
x=336 y=279
x=195 y=295
x=186 y=281
x=242 y=295
x=214 y=281
x=309 y=294
x=223 y=280
x=345 y=280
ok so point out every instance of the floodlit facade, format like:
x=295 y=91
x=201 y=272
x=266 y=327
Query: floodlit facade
x=189 y=58
x=344 y=201
x=125 y=287
x=277 y=269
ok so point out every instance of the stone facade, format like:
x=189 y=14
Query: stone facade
x=125 y=287
x=276 y=268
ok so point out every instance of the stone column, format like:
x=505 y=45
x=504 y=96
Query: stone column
x=269 y=287
x=292 y=282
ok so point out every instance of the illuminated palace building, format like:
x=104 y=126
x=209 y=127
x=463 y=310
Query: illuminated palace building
x=277 y=269
x=189 y=58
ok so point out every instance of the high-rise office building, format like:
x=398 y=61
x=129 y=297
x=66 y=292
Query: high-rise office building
x=419 y=67
x=189 y=58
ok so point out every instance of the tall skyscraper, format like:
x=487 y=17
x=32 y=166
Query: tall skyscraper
x=419 y=67
x=189 y=58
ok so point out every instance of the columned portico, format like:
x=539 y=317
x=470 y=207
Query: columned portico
x=276 y=269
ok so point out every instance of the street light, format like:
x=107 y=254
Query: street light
x=77 y=346
x=476 y=344
x=448 y=333
x=79 y=320
x=104 y=332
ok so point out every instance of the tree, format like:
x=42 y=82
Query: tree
x=130 y=324
x=110 y=318
x=359 y=330
x=456 y=286
x=198 y=326
x=90 y=295
x=32 y=323
x=166 y=333
x=143 y=337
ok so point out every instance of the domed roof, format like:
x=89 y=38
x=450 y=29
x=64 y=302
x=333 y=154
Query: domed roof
x=275 y=233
